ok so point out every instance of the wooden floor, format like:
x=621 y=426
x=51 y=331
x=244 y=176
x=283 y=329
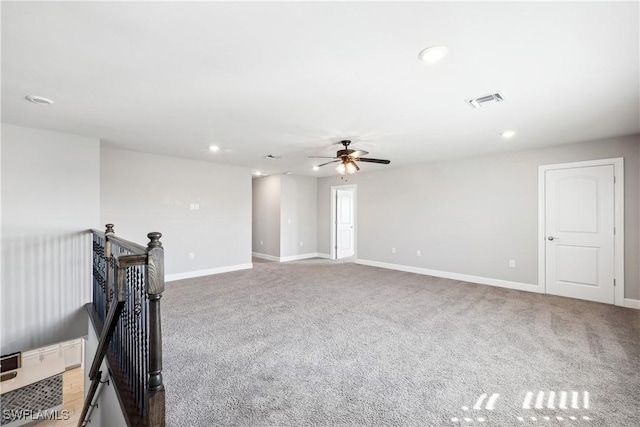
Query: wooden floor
x=72 y=399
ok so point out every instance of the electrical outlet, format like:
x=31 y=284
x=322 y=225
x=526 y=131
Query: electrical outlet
x=393 y=250
x=261 y=242
x=192 y=206
x=301 y=243
x=192 y=255
x=512 y=263
x=418 y=253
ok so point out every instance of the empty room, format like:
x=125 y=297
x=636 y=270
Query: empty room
x=320 y=214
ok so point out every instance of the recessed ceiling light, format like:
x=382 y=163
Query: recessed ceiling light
x=433 y=54
x=40 y=100
x=508 y=133
x=257 y=173
x=288 y=173
x=315 y=168
x=214 y=148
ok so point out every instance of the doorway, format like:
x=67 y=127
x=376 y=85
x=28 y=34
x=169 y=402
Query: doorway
x=343 y=221
x=581 y=235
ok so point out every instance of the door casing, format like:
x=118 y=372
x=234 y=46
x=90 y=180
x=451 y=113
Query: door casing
x=618 y=195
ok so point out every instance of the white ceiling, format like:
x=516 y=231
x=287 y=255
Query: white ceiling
x=290 y=79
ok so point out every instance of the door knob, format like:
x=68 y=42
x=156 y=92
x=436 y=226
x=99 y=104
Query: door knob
x=552 y=238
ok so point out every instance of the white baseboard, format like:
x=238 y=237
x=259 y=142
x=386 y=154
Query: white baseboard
x=265 y=256
x=455 y=276
x=207 y=272
x=298 y=257
x=289 y=258
x=321 y=255
x=632 y=303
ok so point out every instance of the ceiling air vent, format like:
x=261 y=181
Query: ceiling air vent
x=484 y=99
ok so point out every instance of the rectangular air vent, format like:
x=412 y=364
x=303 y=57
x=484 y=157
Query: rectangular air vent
x=481 y=100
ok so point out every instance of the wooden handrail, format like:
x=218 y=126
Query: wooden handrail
x=130 y=331
x=130 y=246
x=96 y=232
x=134 y=248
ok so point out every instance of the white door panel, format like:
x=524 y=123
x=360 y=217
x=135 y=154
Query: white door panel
x=344 y=240
x=344 y=224
x=579 y=221
x=577 y=264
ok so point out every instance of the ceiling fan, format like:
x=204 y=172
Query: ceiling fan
x=347 y=159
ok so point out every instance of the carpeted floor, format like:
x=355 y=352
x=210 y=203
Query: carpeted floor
x=318 y=343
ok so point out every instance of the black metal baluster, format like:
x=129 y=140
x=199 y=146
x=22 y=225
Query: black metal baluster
x=145 y=342
x=139 y=356
x=138 y=378
x=125 y=337
x=129 y=328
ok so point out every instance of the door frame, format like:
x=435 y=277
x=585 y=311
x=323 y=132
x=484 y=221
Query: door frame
x=618 y=215
x=334 y=225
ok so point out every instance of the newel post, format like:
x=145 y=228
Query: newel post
x=107 y=259
x=155 y=414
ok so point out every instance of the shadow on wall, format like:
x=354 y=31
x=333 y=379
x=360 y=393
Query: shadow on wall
x=46 y=280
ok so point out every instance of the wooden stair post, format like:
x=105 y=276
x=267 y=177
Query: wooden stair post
x=155 y=415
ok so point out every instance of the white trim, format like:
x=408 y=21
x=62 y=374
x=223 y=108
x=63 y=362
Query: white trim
x=207 y=272
x=332 y=226
x=265 y=256
x=298 y=257
x=618 y=188
x=455 y=276
x=291 y=257
x=632 y=303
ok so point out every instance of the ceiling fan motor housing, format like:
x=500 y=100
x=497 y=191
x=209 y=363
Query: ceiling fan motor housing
x=346 y=150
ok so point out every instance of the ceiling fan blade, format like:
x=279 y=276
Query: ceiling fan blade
x=364 y=159
x=332 y=161
x=359 y=153
x=322 y=157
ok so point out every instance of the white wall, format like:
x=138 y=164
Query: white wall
x=298 y=223
x=266 y=215
x=284 y=215
x=50 y=198
x=471 y=216
x=142 y=192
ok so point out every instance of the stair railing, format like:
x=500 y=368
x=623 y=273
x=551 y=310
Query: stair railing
x=128 y=281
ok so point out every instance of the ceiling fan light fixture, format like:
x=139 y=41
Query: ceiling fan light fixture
x=433 y=54
x=351 y=167
x=341 y=168
x=316 y=168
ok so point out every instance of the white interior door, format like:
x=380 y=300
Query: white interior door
x=579 y=232
x=345 y=233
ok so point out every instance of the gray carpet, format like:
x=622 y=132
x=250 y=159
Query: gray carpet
x=317 y=343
